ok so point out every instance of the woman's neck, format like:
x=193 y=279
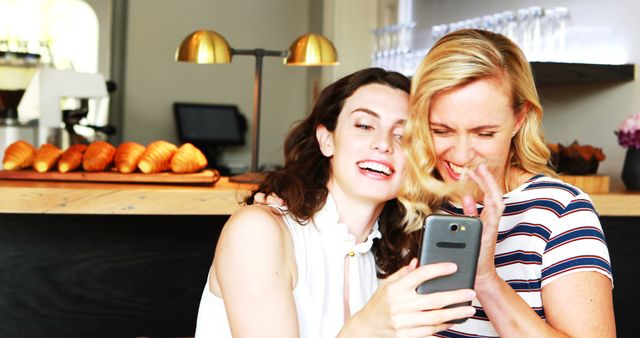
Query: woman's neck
x=515 y=178
x=358 y=214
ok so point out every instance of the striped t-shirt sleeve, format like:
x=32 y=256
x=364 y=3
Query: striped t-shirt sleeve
x=577 y=243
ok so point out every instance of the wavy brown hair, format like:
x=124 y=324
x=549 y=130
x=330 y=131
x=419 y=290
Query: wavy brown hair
x=302 y=182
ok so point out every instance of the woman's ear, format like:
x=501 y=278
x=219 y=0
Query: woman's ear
x=521 y=116
x=325 y=140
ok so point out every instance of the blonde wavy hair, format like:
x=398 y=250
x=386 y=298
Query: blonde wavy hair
x=455 y=60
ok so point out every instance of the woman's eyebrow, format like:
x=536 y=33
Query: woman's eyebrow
x=438 y=124
x=376 y=115
x=483 y=127
x=366 y=111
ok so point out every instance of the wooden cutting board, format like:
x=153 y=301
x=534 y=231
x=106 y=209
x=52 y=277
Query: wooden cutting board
x=208 y=176
x=591 y=184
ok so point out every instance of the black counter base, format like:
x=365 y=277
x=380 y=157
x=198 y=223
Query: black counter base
x=142 y=276
x=103 y=276
x=623 y=237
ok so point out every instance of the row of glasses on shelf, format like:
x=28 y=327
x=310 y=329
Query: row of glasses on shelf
x=392 y=47
x=27 y=51
x=544 y=34
x=540 y=32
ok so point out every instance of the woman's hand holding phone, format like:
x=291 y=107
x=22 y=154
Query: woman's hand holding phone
x=396 y=310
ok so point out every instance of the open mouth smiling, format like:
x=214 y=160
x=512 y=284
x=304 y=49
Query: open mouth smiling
x=455 y=171
x=375 y=167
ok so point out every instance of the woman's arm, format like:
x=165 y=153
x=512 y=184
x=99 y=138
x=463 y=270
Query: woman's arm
x=253 y=268
x=580 y=305
x=576 y=305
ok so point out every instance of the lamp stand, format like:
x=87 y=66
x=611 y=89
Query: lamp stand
x=254 y=175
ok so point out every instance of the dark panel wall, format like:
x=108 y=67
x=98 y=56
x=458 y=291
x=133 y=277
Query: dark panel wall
x=623 y=236
x=132 y=276
x=103 y=276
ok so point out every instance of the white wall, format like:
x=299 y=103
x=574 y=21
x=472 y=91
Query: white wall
x=349 y=25
x=154 y=81
x=587 y=113
x=103 y=9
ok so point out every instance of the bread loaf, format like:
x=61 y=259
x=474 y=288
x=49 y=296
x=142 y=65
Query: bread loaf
x=98 y=156
x=18 y=155
x=128 y=156
x=71 y=159
x=188 y=159
x=46 y=157
x=157 y=157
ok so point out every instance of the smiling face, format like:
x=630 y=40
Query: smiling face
x=473 y=124
x=367 y=161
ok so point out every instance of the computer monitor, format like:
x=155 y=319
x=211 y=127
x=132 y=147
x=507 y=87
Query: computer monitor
x=209 y=124
x=210 y=127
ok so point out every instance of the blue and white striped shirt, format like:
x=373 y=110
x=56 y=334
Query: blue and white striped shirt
x=549 y=229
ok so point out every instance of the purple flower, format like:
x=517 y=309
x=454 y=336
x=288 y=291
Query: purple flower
x=629 y=132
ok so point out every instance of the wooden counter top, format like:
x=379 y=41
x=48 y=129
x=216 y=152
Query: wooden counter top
x=621 y=203
x=45 y=197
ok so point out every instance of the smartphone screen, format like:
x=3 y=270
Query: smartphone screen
x=456 y=239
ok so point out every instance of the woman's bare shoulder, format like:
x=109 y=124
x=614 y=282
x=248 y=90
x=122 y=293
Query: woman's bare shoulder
x=252 y=234
x=258 y=227
x=256 y=218
x=253 y=270
x=254 y=229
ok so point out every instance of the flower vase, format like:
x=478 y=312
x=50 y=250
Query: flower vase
x=631 y=169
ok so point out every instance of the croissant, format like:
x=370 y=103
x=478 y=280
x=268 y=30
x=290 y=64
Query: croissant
x=157 y=157
x=71 y=158
x=46 y=157
x=127 y=156
x=18 y=155
x=98 y=156
x=188 y=159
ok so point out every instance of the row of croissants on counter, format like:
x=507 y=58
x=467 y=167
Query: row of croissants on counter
x=128 y=157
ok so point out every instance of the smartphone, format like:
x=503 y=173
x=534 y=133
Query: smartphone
x=448 y=238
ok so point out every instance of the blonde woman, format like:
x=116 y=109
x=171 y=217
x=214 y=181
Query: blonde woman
x=545 y=271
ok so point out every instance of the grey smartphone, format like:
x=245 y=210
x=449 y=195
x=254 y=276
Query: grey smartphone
x=448 y=238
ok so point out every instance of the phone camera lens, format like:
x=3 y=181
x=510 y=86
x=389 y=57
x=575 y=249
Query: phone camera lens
x=454 y=227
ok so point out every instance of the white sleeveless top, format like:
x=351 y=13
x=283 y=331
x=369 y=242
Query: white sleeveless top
x=320 y=248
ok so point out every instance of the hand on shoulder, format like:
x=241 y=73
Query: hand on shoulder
x=271 y=199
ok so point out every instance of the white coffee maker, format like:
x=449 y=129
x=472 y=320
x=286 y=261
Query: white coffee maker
x=54 y=93
x=43 y=95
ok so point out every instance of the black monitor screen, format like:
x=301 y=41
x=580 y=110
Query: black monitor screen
x=209 y=123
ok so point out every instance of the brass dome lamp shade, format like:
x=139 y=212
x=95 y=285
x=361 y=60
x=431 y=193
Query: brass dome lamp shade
x=312 y=50
x=208 y=47
x=204 y=47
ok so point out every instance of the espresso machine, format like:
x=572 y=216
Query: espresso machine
x=70 y=106
x=45 y=105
